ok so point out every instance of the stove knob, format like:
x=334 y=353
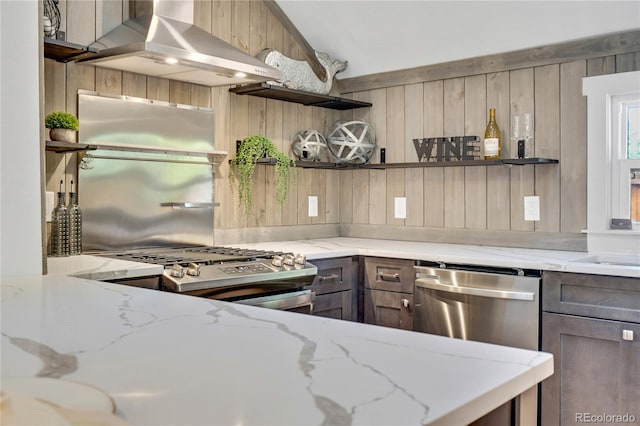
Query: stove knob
x=288 y=259
x=193 y=270
x=277 y=260
x=177 y=271
x=300 y=259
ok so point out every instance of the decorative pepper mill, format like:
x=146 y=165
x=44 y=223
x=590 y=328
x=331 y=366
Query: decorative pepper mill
x=75 y=224
x=60 y=227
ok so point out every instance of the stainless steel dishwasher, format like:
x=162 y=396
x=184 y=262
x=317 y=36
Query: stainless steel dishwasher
x=493 y=305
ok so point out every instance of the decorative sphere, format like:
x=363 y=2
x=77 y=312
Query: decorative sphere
x=351 y=141
x=309 y=145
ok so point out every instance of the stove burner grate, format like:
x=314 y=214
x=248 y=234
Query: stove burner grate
x=233 y=251
x=159 y=259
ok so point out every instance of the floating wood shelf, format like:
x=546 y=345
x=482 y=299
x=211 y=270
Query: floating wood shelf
x=62 y=147
x=64 y=51
x=329 y=165
x=281 y=93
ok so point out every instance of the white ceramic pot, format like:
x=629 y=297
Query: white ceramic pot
x=62 y=135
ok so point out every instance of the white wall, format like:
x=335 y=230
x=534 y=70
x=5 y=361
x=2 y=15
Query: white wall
x=20 y=188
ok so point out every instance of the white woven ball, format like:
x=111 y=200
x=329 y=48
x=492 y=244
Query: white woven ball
x=351 y=141
x=309 y=145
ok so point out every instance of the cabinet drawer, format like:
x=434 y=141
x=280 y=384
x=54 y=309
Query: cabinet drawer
x=333 y=275
x=389 y=274
x=596 y=296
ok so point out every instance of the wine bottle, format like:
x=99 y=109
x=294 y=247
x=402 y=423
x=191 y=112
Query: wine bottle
x=75 y=224
x=60 y=227
x=492 y=145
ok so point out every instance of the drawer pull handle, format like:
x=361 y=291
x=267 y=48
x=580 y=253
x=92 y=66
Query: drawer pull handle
x=388 y=277
x=329 y=277
x=627 y=335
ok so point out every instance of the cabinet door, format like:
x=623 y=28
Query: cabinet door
x=389 y=274
x=334 y=305
x=596 y=371
x=388 y=308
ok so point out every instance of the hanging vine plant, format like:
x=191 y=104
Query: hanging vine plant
x=253 y=148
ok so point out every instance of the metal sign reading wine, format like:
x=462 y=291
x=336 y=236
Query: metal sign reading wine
x=456 y=148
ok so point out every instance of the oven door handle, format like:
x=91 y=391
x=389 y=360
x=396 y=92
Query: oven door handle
x=283 y=301
x=432 y=282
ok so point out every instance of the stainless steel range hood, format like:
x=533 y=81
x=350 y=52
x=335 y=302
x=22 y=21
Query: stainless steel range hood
x=165 y=43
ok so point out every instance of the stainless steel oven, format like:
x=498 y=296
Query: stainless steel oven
x=274 y=280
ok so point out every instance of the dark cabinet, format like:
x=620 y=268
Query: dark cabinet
x=591 y=325
x=335 y=288
x=388 y=292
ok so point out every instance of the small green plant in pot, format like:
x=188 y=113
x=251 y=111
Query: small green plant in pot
x=253 y=148
x=62 y=125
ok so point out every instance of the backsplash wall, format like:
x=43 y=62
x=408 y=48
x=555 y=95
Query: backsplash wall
x=456 y=204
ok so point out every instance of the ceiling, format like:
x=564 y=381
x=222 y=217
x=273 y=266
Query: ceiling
x=385 y=35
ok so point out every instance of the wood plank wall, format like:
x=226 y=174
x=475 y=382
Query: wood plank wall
x=456 y=202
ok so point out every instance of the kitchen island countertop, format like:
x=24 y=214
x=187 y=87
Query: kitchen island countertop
x=173 y=359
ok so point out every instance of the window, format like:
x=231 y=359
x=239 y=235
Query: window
x=613 y=169
x=625 y=157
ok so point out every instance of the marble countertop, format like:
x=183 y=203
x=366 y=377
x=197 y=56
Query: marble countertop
x=174 y=359
x=100 y=268
x=509 y=257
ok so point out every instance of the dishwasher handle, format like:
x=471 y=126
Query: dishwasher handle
x=432 y=282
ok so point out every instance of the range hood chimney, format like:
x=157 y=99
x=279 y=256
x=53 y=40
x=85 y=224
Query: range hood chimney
x=165 y=43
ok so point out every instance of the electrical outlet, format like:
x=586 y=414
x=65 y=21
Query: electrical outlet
x=49 y=205
x=313 y=206
x=400 y=207
x=532 y=208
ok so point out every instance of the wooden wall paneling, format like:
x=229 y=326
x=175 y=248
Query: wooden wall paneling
x=413 y=119
x=108 y=81
x=318 y=188
x=290 y=128
x=221 y=19
x=395 y=125
x=333 y=196
x=224 y=190
x=134 y=84
x=378 y=119
x=414 y=191
x=239 y=126
x=378 y=187
x=257 y=126
x=628 y=62
x=202 y=10
x=475 y=178
x=434 y=197
x=200 y=96
x=62 y=7
x=395 y=188
x=454 y=208
x=109 y=14
x=601 y=66
x=573 y=148
x=273 y=130
x=498 y=178
x=240 y=24
x=547 y=134
x=347 y=196
x=158 y=89
x=361 y=203
x=433 y=126
x=54 y=100
x=179 y=92
x=81 y=21
x=522 y=178
x=305 y=176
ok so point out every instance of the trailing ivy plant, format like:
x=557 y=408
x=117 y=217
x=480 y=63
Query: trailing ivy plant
x=253 y=148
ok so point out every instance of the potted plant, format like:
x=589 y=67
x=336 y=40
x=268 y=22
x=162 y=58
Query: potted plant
x=63 y=126
x=253 y=148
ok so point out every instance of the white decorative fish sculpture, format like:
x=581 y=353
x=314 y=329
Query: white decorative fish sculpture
x=299 y=75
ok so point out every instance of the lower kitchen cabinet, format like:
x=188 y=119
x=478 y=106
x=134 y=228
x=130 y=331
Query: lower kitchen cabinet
x=335 y=287
x=591 y=325
x=388 y=292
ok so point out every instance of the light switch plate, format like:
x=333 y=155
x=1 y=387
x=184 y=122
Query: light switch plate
x=400 y=207
x=532 y=208
x=49 y=206
x=313 y=206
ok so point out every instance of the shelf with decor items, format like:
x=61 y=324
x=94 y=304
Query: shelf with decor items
x=265 y=90
x=63 y=147
x=381 y=166
x=64 y=51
